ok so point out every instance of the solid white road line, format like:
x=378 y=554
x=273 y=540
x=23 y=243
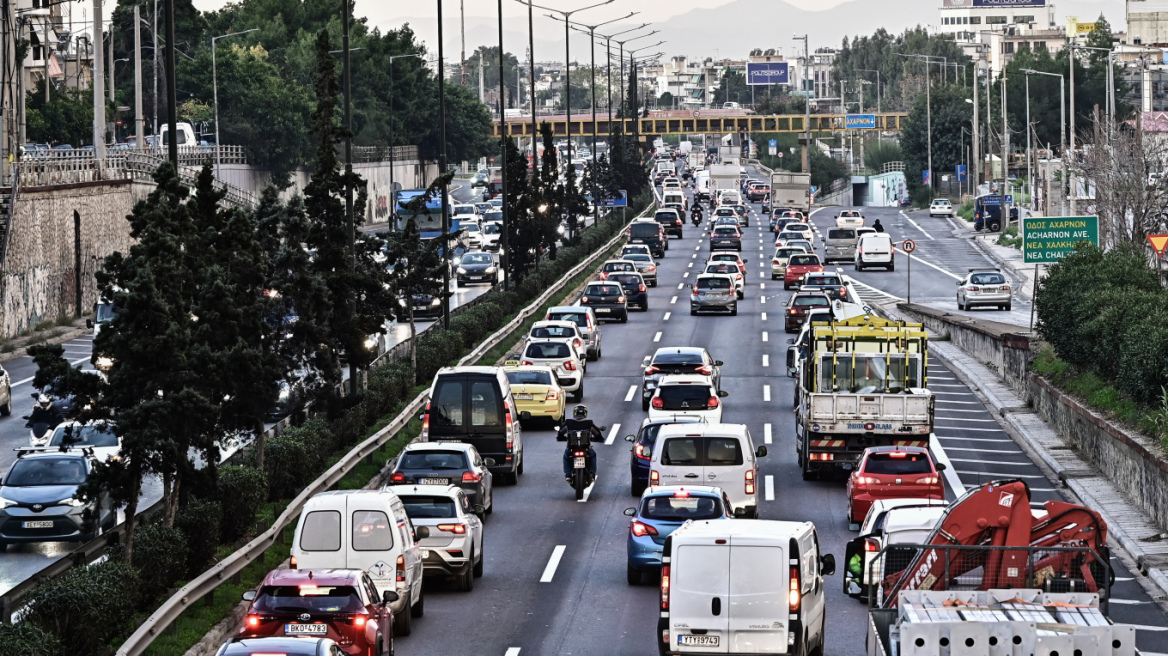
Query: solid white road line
x=764 y=316
x=667 y=315
x=22 y=382
x=632 y=393
x=766 y=433
x=769 y=485
x=764 y=336
x=612 y=432
x=657 y=337
x=914 y=223
x=766 y=360
x=950 y=472
x=872 y=289
x=988 y=421
x=673 y=300
x=513 y=651
x=996 y=475
x=1006 y=451
x=587 y=493
x=929 y=264
x=550 y=570
x=995 y=462
x=766 y=392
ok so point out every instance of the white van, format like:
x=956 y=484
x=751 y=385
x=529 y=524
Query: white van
x=874 y=249
x=674 y=196
x=710 y=454
x=367 y=530
x=729 y=197
x=742 y=587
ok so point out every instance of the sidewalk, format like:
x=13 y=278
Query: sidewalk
x=1010 y=259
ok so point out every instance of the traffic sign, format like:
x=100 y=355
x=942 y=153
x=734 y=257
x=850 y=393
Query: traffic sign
x=909 y=246
x=1051 y=238
x=615 y=201
x=996 y=199
x=773 y=147
x=860 y=122
x=1158 y=242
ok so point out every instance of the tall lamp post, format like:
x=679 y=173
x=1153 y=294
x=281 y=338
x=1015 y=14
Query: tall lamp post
x=392 y=184
x=442 y=171
x=928 y=112
x=806 y=103
x=622 y=58
x=636 y=99
x=215 y=92
x=1062 y=112
x=608 y=63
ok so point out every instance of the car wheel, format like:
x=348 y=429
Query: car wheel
x=633 y=576
x=740 y=295
x=625 y=317
x=810 y=475
x=465 y=581
x=786 y=286
x=637 y=488
x=7 y=409
x=579 y=394
x=403 y=622
x=460 y=284
x=478 y=567
x=1008 y=306
x=734 y=310
x=774 y=277
x=645 y=307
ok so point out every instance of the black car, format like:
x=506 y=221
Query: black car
x=677 y=360
x=671 y=221
x=642 y=451
x=459 y=465
x=477 y=268
x=425 y=305
x=651 y=234
x=634 y=286
x=726 y=237
x=607 y=300
x=828 y=283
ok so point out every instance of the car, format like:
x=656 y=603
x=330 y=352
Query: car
x=338 y=604
x=735 y=258
x=719 y=454
x=729 y=220
x=39 y=502
x=492 y=234
x=874 y=249
x=98 y=438
x=743 y=213
x=798 y=306
x=661 y=511
x=642 y=450
x=607 y=300
x=472 y=233
x=537 y=393
x=629 y=249
x=478 y=268
x=941 y=207
x=447 y=463
x=634 y=287
x=831 y=284
x=455 y=546
x=484 y=207
x=475 y=405
x=840 y=244
x=645 y=266
x=800 y=265
x=803 y=229
x=893 y=472
x=677 y=360
x=984 y=287
x=481 y=178
x=463 y=211
x=781 y=257
x=565 y=331
x=585 y=319
x=757 y=191
x=651 y=234
x=726 y=237
x=878 y=512
x=713 y=292
x=687 y=395
x=561 y=358
x=729 y=269
x=787 y=236
x=5 y=393
x=497 y=203
x=616 y=265
x=849 y=219
x=424 y=304
x=671 y=221
x=284 y=646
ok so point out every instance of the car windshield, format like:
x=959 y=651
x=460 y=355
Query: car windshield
x=465 y=209
x=680 y=509
x=83 y=436
x=602 y=290
x=492 y=228
x=684 y=397
x=546 y=350
x=471 y=227
x=898 y=462
x=987 y=279
x=553 y=331
x=308 y=598
x=797 y=260
x=433 y=460
x=529 y=377
x=808 y=301
x=428 y=507
x=476 y=258
x=714 y=283
x=29 y=472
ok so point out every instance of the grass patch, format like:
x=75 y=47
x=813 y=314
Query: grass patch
x=1010 y=238
x=966 y=211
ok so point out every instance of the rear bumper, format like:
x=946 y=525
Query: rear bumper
x=718 y=305
x=644 y=554
x=987 y=299
x=609 y=311
x=440 y=562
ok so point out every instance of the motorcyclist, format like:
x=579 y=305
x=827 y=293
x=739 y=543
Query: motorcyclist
x=696 y=214
x=877 y=226
x=44 y=412
x=579 y=422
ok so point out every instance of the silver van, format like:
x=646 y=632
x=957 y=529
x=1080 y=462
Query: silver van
x=840 y=244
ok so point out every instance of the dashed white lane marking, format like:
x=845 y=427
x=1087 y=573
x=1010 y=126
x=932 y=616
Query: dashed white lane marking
x=673 y=300
x=764 y=336
x=1133 y=602
x=657 y=337
x=685 y=275
x=762 y=285
x=697 y=248
x=766 y=433
x=632 y=393
x=769 y=485
x=762 y=299
x=512 y=651
x=764 y=316
x=766 y=360
x=761 y=274
x=550 y=571
x=667 y=315
x=694 y=256
x=689 y=266
x=681 y=285
x=766 y=393
x=950 y=472
x=612 y=433
x=914 y=224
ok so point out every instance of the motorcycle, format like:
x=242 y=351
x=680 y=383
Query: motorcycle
x=579 y=441
x=41 y=425
x=697 y=218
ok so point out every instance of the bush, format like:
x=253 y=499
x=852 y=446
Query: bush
x=29 y=640
x=200 y=522
x=437 y=349
x=1143 y=361
x=87 y=607
x=160 y=556
x=292 y=458
x=242 y=491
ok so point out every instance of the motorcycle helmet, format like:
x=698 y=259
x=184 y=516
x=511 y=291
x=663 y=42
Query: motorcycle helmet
x=580 y=412
x=44 y=401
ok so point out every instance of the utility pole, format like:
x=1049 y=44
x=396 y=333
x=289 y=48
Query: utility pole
x=98 y=88
x=462 y=54
x=111 y=65
x=155 y=65
x=482 y=85
x=1005 y=158
x=139 y=123
x=1069 y=156
x=974 y=137
x=531 y=89
x=171 y=86
x=503 y=248
x=442 y=171
x=806 y=105
x=346 y=19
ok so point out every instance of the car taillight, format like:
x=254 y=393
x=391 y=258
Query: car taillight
x=603 y=275
x=397 y=477
x=1004 y=288
x=639 y=451
x=776 y=262
x=426 y=421
x=471 y=477
x=292 y=562
x=253 y=621
x=843 y=291
x=620 y=299
x=509 y=423
x=570 y=366
x=871 y=546
x=652 y=267
x=792 y=311
x=577 y=343
x=705 y=370
x=551 y=395
x=665 y=587
x=652 y=369
x=654 y=477
x=457 y=529
x=527 y=363
x=750 y=481
x=867 y=480
x=972 y=289
x=793 y=596
x=583 y=299
x=695 y=290
x=641 y=288
x=658 y=403
x=641 y=530
x=359 y=621
x=927 y=480
x=401 y=569
x=712 y=402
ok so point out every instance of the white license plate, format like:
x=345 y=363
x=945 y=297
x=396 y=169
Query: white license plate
x=523 y=397
x=306 y=629
x=579 y=463
x=602 y=310
x=697 y=640
x=434 y=481
x=38 y=524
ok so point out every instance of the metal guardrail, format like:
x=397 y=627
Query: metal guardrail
x=206 y=582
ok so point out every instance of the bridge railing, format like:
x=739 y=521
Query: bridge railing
x=697 y=124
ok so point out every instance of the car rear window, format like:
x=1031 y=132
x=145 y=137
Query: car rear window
x=680 y=509
x=446 y=407
x=714 y=283
x=684 y=397
x=529 y=377
x=800 y=227
x=625 y=278
x=553 y=331
x=678 y=358
x=788 y=252
x=547 y=350
x=486 y=406
x=618 y=266
x=602 y=290
x=665 y=216
x=841 y=233
x=723 y=451
x=84 y=436
x=642 y=230
x=372 y=531
x=724 y=211
x=712 y=451
x=578 y=318
x=309 y=599
x=790 y=235
x=66 y=470
x=433 y=460
x=807 y=301
x=722 y=268
x=321 y=531
x=804 y=259
x=824 y=280
x=420 y=506
x=638 y=257
x=890 y=464
x=726 y=232
x=976 y=279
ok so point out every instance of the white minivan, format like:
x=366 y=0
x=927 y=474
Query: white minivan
x=709 y=454
x=874 y=249
x=367 y=530
x=742 y=587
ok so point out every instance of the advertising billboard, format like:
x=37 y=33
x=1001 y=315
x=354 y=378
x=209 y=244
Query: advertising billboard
x=766 y=73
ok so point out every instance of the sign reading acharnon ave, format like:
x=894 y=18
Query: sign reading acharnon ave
x=1050 y=238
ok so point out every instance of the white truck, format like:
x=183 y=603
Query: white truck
x=791 y=190
x=724 y=177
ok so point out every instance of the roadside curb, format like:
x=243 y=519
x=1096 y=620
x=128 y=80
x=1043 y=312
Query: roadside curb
x=67 y=336
x=1025 y=291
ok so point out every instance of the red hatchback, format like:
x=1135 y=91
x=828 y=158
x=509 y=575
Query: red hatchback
x=799 y=266
x=339 y=604
x=893 y=472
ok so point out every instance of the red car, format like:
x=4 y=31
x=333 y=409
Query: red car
x=339 y=604
x=800 y=265
x=800 y=304
x=893 y=472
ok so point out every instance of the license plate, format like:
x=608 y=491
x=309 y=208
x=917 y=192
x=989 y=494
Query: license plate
x=602 y=310
x=474 y=277
x=39 y=524
x=306 y=629
x=447 y=440
x=523 y=397
x=579 y=463
x=434 y=481
x=697 y=640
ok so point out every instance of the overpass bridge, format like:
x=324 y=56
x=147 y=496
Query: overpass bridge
x=696 y=122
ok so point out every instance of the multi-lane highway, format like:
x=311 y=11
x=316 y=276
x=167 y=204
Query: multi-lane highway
x=554 y=580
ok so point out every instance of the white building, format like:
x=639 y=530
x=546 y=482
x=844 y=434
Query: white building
x=1147 y=22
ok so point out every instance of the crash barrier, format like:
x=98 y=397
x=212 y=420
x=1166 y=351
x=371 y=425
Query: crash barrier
x=206 y=582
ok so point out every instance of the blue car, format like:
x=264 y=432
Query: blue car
x=662 y=510
x=642 y=451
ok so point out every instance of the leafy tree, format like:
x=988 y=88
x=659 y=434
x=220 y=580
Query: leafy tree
x=665 y=101
x=950 y=113
x=547 y=199
x=489 y=55
x=627 y=172
x=523 y=237
x=881 y=51
x=66 y=119
x=732 y=88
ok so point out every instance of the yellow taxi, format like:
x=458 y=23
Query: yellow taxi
x=779 y=260
x=536 y=392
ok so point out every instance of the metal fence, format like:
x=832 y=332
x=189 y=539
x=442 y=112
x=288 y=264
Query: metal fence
x=384 y=153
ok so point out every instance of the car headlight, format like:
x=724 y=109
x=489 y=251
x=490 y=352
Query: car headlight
x=400 y=301
x=461 y=270
x=436 y=302
x=72 y=501
x=490 y=270
x=370 y=344
x=5 y=503
x=104 y=362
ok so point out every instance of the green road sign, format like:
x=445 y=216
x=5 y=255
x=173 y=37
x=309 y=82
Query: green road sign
x=1050 y=238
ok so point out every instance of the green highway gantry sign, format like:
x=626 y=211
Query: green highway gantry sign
x=1048 y=239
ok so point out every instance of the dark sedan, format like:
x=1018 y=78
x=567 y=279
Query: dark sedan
x=478 y=268
x=457 y=464
x=425 y=305
x=607 y=300
x=642 y=451
x=798 y=307
x=634 y=286
x=726 y=238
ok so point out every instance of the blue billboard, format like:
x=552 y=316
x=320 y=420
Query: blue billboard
x=766 y=73
x=860 y=122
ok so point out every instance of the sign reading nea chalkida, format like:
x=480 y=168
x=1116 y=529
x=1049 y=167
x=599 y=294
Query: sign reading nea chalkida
x=1051 y=238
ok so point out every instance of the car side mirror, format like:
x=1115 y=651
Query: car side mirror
x=645 y=362
x=827 y=564
x=958 y=283
x=89 y=324
x=941 y=467
x=248 y=595
x=790 y=340
x=629 y=512
x=740 y=512
x=630 y=438
x=421 y=532
x=717 y=363
x=745 y=261
x=489 y=462
x=478 y=508
x=760 y=452
x=723 y=393
x=389 y=597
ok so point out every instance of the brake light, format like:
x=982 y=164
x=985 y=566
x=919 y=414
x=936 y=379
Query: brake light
x=426 y=421
x=776 y=262
x=642 y=288
x=867 y=480
x=641 y=530
x=577 y=343
x=871 y=546
x=750 y=481
x=583 y=299
x=639 y=451
x=359 y=621
x=552 y=395
x=471 y=477
x=712 y=402
x=927 y=480
x=793 y=311
x=603 y=275
x=652 y=370
x=292 y=562
x=705 y=370
x=695 y=290
x=401 y=569
x=458 y=529
x=397 y=477
x=973 y=289
x=665 y=587
x=510 y=425
x=654 y=477
x=843 y=291
x=620 y=299
x=822 y=456
x=658 y=403
x=652 y=267
x=570 y=366
x=527 y=363
x=794 y=596
x=897 y=454
x=1005 y=288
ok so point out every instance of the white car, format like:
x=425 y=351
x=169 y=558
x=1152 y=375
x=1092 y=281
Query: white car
x=455 y=545
x=941 y=207
x=723 y=455
x=561 y=358
x=564 y=331
x=910 y=524
x=849 y=219
x=98 y=436
x=687 y=395
x=803 y=229
x=490 y=235
x=464 y=211
x=473 y=234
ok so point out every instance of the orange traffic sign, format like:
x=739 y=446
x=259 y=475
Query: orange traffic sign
x=1158 y=242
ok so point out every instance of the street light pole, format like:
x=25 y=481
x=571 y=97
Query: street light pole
x=806 y=103
x=215 y=94
x=392 y=218
x=503 y=149
x=608 y=47
x=171 y=92
x=928 y=114
x=622 y=59
x=441 y=172
x=1062 y=116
